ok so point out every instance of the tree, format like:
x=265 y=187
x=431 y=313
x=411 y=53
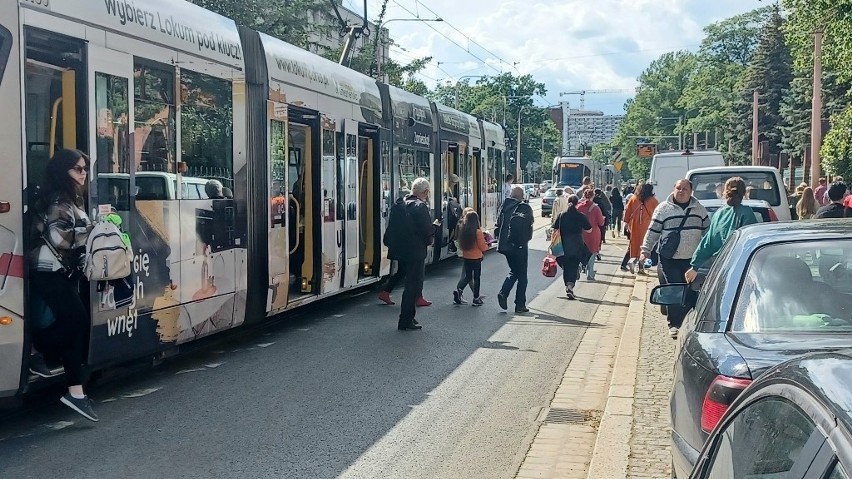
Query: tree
x=834 y=17
x=836 y=152
x=653 y=114
x=770 y=74
x=725 y=53
x=289 y=20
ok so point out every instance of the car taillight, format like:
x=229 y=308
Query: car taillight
x=721 y=393
x=772 y=215
x=544 y=201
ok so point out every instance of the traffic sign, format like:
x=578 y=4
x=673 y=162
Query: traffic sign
x=646 y=150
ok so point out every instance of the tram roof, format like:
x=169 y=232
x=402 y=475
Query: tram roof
x=291 y=64
x=173 y=24
x=457 y=121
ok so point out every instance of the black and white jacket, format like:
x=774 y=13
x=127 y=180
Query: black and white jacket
x=668 y=216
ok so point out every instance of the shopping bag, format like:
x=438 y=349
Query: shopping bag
x=548 y=267
x=556 y=248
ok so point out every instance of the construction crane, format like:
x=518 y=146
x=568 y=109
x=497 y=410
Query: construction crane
x=582 y=94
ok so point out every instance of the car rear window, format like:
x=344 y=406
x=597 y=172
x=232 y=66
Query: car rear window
x=797 y=287
x=760 y=185
x=761 y=214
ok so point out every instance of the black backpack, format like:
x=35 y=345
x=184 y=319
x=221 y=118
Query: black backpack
x=397 y=226
x=519 y=232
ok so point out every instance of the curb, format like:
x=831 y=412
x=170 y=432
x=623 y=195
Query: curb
x=611 y=453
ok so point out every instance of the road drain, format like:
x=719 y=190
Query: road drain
x=572 y=416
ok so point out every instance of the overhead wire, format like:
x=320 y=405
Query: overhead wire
x=446 y=36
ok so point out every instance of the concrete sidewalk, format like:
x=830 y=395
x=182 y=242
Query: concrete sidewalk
x=605 y=417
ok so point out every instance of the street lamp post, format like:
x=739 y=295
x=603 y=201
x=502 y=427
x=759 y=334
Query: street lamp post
x=816 y=109
x=379 y=34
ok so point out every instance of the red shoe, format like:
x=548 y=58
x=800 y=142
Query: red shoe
x=384 y=296
x=421 y=302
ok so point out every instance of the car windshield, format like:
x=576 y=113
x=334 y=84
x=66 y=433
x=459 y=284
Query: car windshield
x=760 y=185
x=797 y=287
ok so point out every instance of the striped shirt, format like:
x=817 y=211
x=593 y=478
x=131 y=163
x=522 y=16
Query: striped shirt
x=669 y=216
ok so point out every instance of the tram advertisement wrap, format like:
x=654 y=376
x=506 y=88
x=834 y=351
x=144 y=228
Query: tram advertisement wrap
x=184 y=284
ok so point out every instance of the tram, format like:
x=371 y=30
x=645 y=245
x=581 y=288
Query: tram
x=165 y=96
x=570 y=171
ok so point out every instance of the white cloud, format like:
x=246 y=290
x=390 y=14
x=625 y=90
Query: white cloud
x=568 y=45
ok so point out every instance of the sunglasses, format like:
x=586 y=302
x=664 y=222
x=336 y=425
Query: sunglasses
x=82 y=170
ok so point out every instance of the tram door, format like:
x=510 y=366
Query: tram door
x=368 y=213
x=450 y=195
x=332 y=210
x=475 y=193
x=280 y=198
x=351 y=211
x=301 y=208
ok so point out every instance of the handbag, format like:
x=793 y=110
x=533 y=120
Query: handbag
x=556 y=248
x=548 y=267
x=670 y=239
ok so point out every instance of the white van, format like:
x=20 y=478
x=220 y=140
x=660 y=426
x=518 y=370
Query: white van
x=668 y=167
x=762 y=183
x=158 y=185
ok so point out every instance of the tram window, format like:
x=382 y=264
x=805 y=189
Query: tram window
x=5 y=48
x=154 y=116
x=111 y=128
x=207 y=127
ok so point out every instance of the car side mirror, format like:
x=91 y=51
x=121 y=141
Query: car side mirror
x=670 y=295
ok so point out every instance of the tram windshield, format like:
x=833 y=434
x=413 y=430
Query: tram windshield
x=571 y=174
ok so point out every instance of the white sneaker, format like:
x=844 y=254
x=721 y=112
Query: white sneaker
x=673 y=332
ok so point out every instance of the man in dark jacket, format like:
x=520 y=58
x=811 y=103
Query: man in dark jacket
x=835 y=209
x=411 y=250
x=395 y=279
x=514 y=231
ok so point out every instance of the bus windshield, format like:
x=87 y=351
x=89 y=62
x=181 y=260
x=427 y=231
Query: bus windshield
x=571 y=174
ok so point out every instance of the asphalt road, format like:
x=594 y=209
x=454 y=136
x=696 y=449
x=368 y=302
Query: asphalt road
x=337 y=392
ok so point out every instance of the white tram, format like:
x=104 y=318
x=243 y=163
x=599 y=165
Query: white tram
x=164 y=96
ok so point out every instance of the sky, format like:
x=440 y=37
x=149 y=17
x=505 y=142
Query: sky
x=569 y=45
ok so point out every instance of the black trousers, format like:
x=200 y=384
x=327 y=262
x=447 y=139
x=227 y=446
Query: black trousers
x=518 y=260
x=68 y=337
x=393 y=280
x=414 y=274
x=471 y=271
x=616 y=220
x=672 y=271
x=570 y=268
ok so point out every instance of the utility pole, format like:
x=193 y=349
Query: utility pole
x=816 y=109
x=680 y=133
x=518 y=154
x=755 y=150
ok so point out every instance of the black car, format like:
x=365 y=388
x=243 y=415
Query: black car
x=775 y=290
x=793 y=422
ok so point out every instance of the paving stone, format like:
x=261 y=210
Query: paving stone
x=650 y=450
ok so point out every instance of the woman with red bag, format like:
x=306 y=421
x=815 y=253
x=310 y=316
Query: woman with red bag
x=571 y=225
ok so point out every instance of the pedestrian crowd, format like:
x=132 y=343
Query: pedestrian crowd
x=677 y=235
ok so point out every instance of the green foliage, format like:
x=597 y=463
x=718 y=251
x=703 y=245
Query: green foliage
x=836 y=152
x=770 y=73
x=835 y=18
x=653 y=114
x=289 y=20
x=725 y=53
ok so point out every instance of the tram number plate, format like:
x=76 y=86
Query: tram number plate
x=42 y=4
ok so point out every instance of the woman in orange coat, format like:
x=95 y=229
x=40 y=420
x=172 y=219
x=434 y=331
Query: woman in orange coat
x=637 y=217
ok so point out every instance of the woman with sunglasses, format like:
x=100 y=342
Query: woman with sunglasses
x=56 y=278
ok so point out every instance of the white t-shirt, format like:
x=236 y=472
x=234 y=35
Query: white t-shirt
x=507 y=190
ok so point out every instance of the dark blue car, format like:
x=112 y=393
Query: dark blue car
x=793 y=422
x=775 y=291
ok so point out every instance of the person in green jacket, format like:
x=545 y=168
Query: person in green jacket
x=724 y=222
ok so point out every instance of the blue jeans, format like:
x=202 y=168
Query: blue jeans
x=590 y=268
x=518 y=260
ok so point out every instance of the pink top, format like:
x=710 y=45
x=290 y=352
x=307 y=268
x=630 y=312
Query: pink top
x=596 y=218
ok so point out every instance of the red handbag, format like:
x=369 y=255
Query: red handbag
x=548 y=267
